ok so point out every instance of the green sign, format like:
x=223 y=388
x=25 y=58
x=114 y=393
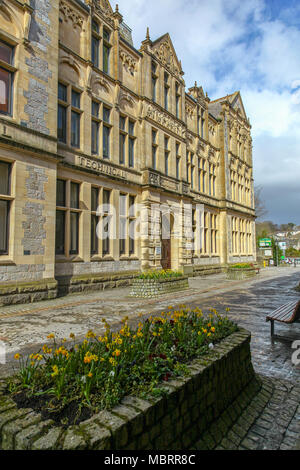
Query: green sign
x=265 y=242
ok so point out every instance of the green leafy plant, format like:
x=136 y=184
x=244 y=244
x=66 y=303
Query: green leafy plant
x=100 y=371
x=160 y=274
x=241 y=266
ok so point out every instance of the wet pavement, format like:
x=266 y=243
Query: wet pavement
x=249 y=307
x=24 y=328
x=275 y=422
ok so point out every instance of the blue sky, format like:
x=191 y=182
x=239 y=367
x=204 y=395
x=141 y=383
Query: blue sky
x=252 y=46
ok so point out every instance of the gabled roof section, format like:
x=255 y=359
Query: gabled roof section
x=164 y=50
x=235 y=101
x=237 y=104
x=104 y=5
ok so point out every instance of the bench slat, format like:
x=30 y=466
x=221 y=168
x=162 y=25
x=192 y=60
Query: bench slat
x=288 y=313
x=282 y=311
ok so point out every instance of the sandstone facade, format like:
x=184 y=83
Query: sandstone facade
x=87 y=119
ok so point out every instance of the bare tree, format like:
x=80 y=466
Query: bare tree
x=260 y=207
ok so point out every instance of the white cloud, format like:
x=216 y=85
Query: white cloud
x=229 y=45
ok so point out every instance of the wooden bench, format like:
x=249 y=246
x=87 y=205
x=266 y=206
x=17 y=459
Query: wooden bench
x=288 y=313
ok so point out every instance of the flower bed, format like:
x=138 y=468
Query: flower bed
x=69 y=384
x=154 y=283
x=199 y=408
x=241 y=271
x=161 y=274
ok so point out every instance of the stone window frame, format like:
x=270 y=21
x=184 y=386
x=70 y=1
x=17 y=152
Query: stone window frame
x=127 y=246
x=214 y=246
x=70 y=108
x=249 y=237
x=166 y=90
x=106 y=45
x=154 y=78
x=95 y=36
x=177 y=100
x=188 y=166
x=166 y=154
x=236 y=248
x=212 y=170
x=10 y=68
x=202 y=175
x=205 y=250
x=194 y=230
x=128 y=139
x=68 y=211
x=210 y=245
x=154 y=140
x=233 y=184
x=107 y=125
x=103 y=251
x=178 y=160
x=9 y=199
x=202 y=120
x=192 y=169
x=97 y=121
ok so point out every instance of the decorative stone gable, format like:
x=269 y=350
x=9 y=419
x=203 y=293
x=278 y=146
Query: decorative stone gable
x=198 y=94
x=164 y=51
x=238 y=106
x=103 y=7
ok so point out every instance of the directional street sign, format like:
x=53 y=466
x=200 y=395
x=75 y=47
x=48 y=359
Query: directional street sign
x=265 y=242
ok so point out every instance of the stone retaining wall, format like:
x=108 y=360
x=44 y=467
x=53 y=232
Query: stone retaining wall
x=26 y=292
x=238 y=273
x=95 y=282
x=199 y=270
x=177 y=421
x=147 y=288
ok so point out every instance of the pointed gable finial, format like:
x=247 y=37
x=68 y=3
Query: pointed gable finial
x=147 y=34
x=117 y=8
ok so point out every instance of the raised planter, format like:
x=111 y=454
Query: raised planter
x=240 y=273
x=154 y=287
x=190 y=408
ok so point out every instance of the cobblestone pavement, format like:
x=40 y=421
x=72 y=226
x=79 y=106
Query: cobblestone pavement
x=269 y=421
x=275 y=424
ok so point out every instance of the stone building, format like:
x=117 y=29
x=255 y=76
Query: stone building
x=88 y=121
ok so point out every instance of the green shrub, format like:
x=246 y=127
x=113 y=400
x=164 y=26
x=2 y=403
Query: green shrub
x=160 y=274
x=242 y=266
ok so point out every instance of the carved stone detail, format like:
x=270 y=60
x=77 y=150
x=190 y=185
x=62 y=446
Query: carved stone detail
x=200 y=147
x=128 y=62
x=126 y=98
x=167 y=58
x=166 y=121
x=96 y=81
x=211 y=129
x=154 y=179
x=189 y=111
x=70 y=14
x=189 y=138
x=103 y=7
